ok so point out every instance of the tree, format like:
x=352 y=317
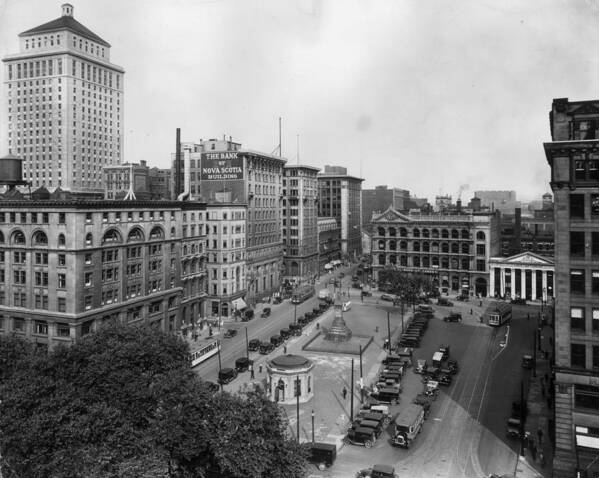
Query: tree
x=407 y=286
x=124 y=402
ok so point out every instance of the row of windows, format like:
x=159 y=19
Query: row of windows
x=578 y=282
x=40 y=327
x=578 y=355
x=434 y=233
x=425 y=246
x=578 y=205
x=578 y=319
x=434 y=261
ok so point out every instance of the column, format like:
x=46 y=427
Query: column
x=523 y=283
x=544 y=282
x=491 y=292
x=533 y=278
x=502 y=277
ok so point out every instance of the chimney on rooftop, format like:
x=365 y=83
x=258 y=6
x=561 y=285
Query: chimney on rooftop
x=67 y=10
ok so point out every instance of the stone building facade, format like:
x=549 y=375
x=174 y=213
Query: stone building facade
x=64 y=101
x=573 y=155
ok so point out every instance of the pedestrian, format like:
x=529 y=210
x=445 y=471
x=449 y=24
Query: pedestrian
x=541 y=458
x=285 y=349
x=252 y=371
x=528 y=317
x=480 y=304
x=470 y=311
x=533 y=452
x=540 y=435
x=344 y=393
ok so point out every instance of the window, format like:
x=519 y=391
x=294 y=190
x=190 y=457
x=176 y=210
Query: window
x=595 y=244
x=480 y=265
x=62 y=259
x=62 y=281
x=480 y=249
x=19 y=277
x=63 y=330
x=577 y=206
x=586 y=396
x=577 y=318
x=62 y=307
x=578 y=355
x=18 y=324
x=88 y=239
x=88 y=302
x=41 y=258
x=88 y=259
x=595 y=282
x=62 y=218
x=576 y=243
x=595 y=325
x=577 y=281
x=88 y=217
x=41 y=327
x=86 y=327
x=61 y=240
x=41 y=279
x=595 y=356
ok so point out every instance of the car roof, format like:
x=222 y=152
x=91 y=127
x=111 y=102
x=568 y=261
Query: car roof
x=383 y=468
x=365 y=430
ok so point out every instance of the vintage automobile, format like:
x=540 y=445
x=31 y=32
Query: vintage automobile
x=420 y=366
x=377 y=471
x=285 y=333
x=387 y=297
x=253 y=345
x=276 y=340
x=452 y=365
x=444 y=379
x=361 y=436
x=248 y=314
x=265 y=312
x=445 y=302
x=425 y=402
x=230 y=333
x=444 y=349
x=386 y=394
x=322 y=455
x=227 y=375
x=243 y=363
x=431 y=389
x=376 y=424
x=453 y=317
x=266 y=348
x=295 y=329
x=381 y=410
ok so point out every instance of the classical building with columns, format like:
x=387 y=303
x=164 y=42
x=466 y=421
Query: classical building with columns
x=453 y=249
x=526 y=275
x=573 y=155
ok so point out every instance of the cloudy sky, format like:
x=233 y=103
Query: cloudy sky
x=426 y=95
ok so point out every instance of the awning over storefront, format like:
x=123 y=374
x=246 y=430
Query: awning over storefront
x=238 y=304
x=328 y=266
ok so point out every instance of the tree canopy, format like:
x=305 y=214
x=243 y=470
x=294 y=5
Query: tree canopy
x=124 y=402
x=406 y=285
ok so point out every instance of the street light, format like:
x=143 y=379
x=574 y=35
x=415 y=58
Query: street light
x=312 y=426
x=297 y=395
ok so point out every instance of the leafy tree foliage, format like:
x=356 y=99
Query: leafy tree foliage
x=407 y=286
x=123 y=402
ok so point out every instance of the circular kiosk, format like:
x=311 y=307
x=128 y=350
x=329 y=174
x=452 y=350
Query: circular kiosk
x=284 y=373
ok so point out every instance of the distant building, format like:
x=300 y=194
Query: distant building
x=65 y=105
x=380 y=198
x=453 y=249
x=573 y=155
x=527 y=234
x=442 y=203
x=329 y=241
x=340 y=197
x=300 y=222
x=127 y=180
x=160 y=183
x=504 y=201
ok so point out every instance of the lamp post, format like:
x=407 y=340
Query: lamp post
x=388 y=332
x=247 y=346
x=297 y=395
x=361 y=378
x=313 y=426
x=294 y=313
x=351 y=392
x=219 y=365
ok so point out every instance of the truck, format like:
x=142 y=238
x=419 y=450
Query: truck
x=437 y=359
x=408 y=424
x=325 y=294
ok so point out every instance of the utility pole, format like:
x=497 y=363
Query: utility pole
x=522 y=417
x=297 y=394
x=388 y=332
x=247 y=346
x=361 y=378
x=351 y=392
x=219 y=365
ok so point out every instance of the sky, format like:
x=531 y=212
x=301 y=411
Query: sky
x=432 y=96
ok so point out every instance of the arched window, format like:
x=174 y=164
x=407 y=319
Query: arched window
x=185 y=250
x=435 y=233
x=1 y=237
x=392 y=231
x=111 y=236
x=416 y=246
x=465 y=248
x=18 y=238
x=89 y=239
x=425 y=261
x=40 y=239
x=455 y=234
x=135 y=235
x=444 y=233
x=172 y=232
x=425 y=233
x=435 y=247
x=465 y=234
x=381 y=259
x=444 y=247
x=393 y=245
x=416 y=232
x=403 y=245
x=403 y=232
x=435 y=261
x=425 y=246
x=381 y=245
x=480 y=235
x=393 y=259
x=455 y=248
x=61 y=240
x=403 y=261
x=454 y=263
x=157 y=233
x=381 y=231
x=445 y=263
x=465 y=264
x=416 y=261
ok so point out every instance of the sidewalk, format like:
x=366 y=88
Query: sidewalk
x=540 y=416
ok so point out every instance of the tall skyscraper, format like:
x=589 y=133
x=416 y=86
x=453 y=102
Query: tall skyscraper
x=573 y=155
x=65 y=105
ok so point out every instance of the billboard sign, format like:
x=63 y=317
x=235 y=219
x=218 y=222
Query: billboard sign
x=219 y=166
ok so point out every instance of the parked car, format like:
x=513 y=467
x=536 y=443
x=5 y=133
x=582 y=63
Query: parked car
x=230 y=333
x=444 y=301
x=316 y=312
x=376 y=424
x=387 y=297
x=361 y=436
x=519 y=301
x=295 y=329
x=444 y=379
x=322 y=455
x=242 y=364
x=377 y=471
x=227 y=375
x=277 y=300
x=444 y=349
x=248 y=315
x=376 y=412
x=265 y=312
x=254 y=345
x=388 y=395
x=452 y=365
x=266 y=348
x=366 y=293
x=276 y=340
x=453 y=317
x=513 y=427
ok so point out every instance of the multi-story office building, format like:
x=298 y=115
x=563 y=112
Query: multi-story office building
x=329 y=241
x=64 y=101
x=453 y=249
x=300 y=226
x=377 y=200
x=340 y=197
x=226 y=230
x=127 y=180
x=504 y=201
x=160 y=183
x=221 y=168
x=573 y=155
x=527 y=234
x=69 y=266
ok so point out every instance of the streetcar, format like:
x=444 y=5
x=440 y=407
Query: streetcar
x=203 y=350
x=498 y=313
x=302 y=293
